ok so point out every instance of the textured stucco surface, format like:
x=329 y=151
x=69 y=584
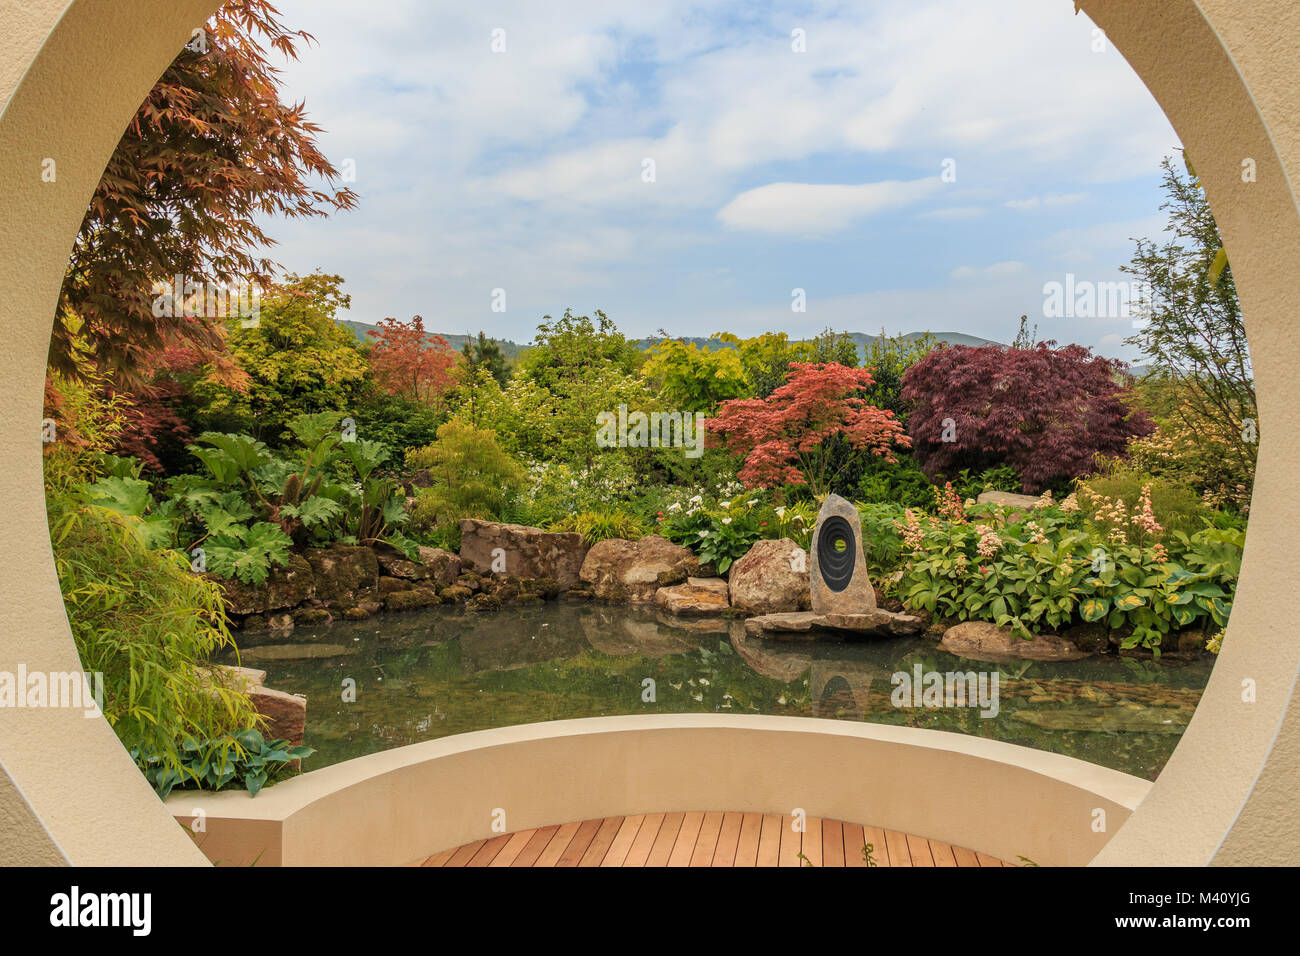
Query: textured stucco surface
x=1225 y=71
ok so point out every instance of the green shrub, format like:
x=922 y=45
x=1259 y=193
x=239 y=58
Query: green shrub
x=881 y=544
x=1175 y=505
x=245 y=757
x=251 y=505
x=602 y=525
x=472 y=478
x=1049 y=569
x=148 y=623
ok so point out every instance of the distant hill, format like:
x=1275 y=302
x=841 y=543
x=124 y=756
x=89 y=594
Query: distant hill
x=361 y=330
x=861 y=339
x=512 y=350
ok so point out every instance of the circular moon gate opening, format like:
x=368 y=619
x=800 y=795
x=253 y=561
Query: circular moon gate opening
x=835 y=549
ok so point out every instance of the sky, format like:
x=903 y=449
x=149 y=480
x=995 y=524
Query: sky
x=686 y=166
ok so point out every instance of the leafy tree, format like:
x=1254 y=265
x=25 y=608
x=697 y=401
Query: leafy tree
x=210 y=151
x=571 y=347
x=1193 y=336
x=834 y=347
x=297 y=359
x=787 y=437
x=766 y=359
x=690 y=378
x=407 y=361
x=889 y=358
x=1046 y=411
x=485 y=353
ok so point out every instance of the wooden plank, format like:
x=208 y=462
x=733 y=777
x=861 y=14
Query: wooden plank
x=854 y=840
x=440 y=859
x=535 y=847
x=622 y=843
x=646 y=834
x=986 y=860
x=581 y=840
x=791 y=844
x=686 y=837
x=832 y=843
x=919 y=848
x=665 y=839
x=751 y=828
x=769 y=841
x=942 y=853
x=558 y=844
x=965 y=857
x=514 y=846
x=724 y=854
x=707 y=840
x=879 y=845
x=465 y=853
x=487 y=853
x=812 y=843
x=601 y=842
x=897 y=844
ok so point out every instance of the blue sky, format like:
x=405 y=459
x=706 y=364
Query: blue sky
x=774 y=169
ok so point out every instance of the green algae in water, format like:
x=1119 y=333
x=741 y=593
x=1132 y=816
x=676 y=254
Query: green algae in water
x=428 y=674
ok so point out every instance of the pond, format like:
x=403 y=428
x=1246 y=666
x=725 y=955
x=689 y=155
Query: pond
x=428 y=674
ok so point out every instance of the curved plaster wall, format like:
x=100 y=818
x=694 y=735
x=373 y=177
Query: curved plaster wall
x=1226 y=74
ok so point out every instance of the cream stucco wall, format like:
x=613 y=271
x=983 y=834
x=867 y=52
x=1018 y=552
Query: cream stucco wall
x=1226 y=73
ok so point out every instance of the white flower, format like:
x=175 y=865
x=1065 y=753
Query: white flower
x=674 y=507
x=724 y=504
x=751 y=502
x=780 y=512
x=726 y=521
x=704 y=534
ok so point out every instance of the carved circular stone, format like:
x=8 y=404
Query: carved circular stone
x=836 y=563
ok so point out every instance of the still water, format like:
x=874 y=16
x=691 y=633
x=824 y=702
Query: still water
x=428 y=674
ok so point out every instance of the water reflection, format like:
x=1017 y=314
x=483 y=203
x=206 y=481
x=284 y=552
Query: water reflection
x=443 y=671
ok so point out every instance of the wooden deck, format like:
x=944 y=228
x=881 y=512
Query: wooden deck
x=706 y=839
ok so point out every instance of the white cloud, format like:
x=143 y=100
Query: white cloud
x=1052 y=199
x=999 y=270
x=807 y=209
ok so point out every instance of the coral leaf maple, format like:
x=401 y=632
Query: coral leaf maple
x=787 y=437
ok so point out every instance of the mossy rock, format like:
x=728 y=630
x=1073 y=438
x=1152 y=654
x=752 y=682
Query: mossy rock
x=455 y=594
x=356 y=614
x=484 y=602
x=410 y=600
x=312 y=615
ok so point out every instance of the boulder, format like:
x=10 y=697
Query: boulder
x=283 y=588
x=982 y=641
x=527 y=552
x=633 y=571
x=346 y=574
x=698 y=597
x=286 y=714
x=436 y=563
x=1016 y=505
x=771 y=578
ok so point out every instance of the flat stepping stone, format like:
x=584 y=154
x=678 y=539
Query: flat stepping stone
x=808 y=625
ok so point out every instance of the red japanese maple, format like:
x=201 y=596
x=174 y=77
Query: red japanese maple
x=409 y=362
x=1045 y=410
x=789 y=436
